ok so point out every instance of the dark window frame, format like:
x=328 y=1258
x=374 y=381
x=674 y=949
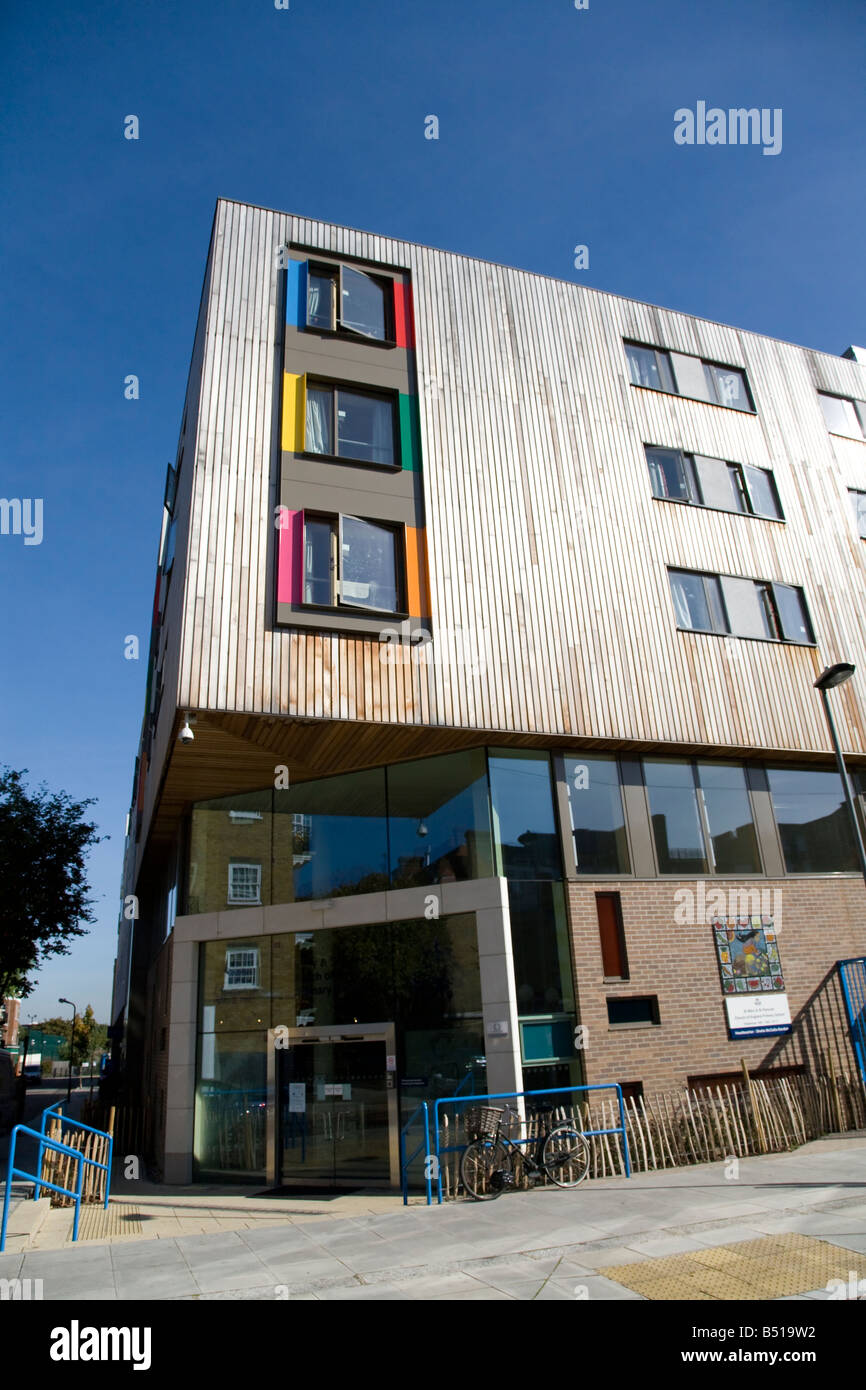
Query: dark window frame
x=725 y=367
x=704 y=575
x=333 y=271
x=338 y=605
x=654 y=1019
x=317 y=383
x=768 y=599
x=740 y=483
x=705 y=362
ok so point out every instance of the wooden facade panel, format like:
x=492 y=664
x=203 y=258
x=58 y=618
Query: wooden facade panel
x=542 y=533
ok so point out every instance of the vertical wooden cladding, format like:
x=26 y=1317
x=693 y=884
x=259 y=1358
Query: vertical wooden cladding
x=544 y=544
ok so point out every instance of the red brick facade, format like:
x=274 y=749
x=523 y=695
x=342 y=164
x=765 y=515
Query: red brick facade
x=822 y=921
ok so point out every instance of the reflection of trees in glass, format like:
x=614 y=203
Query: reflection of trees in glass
x=392 y=972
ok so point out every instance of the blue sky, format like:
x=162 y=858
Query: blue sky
x=556 y=129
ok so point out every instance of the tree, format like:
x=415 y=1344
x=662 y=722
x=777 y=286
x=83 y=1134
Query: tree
x=90 y=1037
x=43 y=843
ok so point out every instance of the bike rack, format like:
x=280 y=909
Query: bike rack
x=514 y=1095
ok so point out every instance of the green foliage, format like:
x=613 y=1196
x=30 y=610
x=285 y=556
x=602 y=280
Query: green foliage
x=91 y=1038
x=43 y=843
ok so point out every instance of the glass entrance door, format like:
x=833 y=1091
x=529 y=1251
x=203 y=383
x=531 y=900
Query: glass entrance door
x=336 y=1110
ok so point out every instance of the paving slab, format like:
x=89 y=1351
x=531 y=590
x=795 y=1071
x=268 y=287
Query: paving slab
x=364 y=1293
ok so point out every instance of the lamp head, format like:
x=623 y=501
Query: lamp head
x=835 y=675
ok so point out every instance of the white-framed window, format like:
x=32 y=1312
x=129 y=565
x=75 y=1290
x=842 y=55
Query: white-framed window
x=245 y=882
x=242 y=968
x=242 y=817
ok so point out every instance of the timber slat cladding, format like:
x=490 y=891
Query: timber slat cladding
x=541 y=526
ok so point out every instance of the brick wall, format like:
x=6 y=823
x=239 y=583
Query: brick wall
x=822 y=921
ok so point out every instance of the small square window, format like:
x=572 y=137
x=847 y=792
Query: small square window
x=359 y=426
x=649 y=367
x=727 y=387
x=698 y=601
x=673 y=475
x=352 y=562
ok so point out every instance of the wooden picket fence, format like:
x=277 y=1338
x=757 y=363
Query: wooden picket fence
x=677 y=1128
x=62 y=1169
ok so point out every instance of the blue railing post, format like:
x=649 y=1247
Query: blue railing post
x=427 y=1153
x=8 y=1194
x=78 y=1191
x=405 y=1161
x=108 y=1170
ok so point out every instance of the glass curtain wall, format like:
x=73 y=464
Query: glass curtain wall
x=399 y=827
x=421 y=975
x=526 y=839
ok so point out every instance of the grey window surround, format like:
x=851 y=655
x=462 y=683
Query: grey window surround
x=700 y=388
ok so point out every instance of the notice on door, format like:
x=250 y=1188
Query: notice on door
x=297 y=1098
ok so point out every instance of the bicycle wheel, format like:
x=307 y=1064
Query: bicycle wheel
x=565 y=1156
x=482 y=1168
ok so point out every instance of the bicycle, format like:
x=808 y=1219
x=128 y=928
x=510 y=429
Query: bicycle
x=487 y=1167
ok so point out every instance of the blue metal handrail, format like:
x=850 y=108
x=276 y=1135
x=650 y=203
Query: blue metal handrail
x=423 y=1147
x=13 y=1172
x=853 y=976
x=513 y=1095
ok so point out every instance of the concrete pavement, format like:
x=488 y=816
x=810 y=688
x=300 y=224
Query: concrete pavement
x=542 y=1245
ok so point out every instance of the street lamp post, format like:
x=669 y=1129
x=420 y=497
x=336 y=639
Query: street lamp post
x=828 y=680
x=71 y=1047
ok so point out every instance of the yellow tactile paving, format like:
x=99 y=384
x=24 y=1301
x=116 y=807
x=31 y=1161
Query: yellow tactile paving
x=751 y=1269
x=101 y=1223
